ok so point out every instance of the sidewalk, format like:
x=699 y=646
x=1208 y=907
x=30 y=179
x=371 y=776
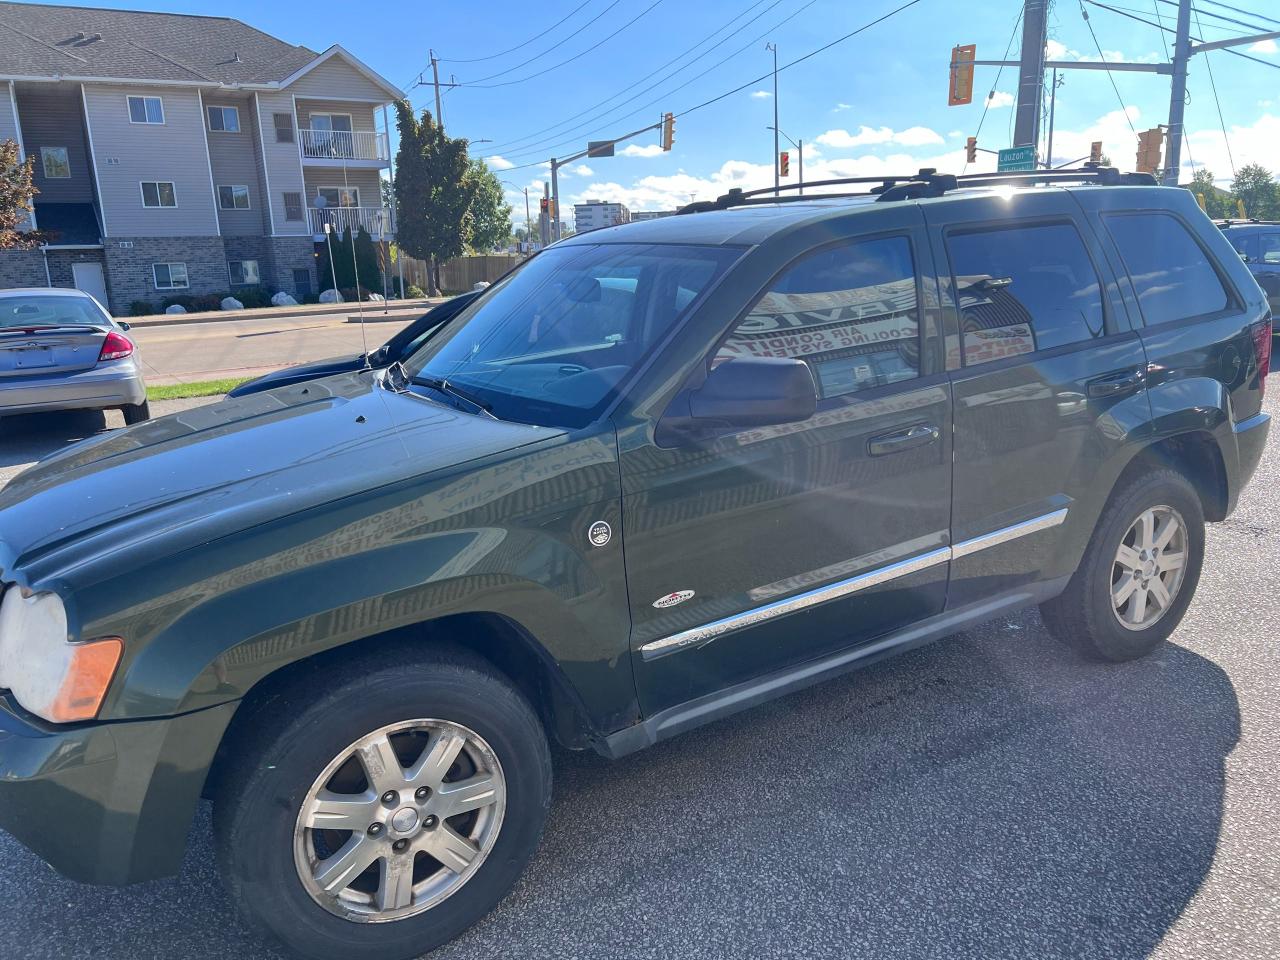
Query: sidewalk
x=401 y=308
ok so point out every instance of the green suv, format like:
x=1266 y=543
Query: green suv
x=661 y=473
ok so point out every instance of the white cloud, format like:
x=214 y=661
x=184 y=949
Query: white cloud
x=760 y=94
x=955 y=133
x=498 y=163
x=998 y=100
x=582 y=170
x=866 y=136
x=1055 y=50
x=635 y=150
x=841 y=107
x=1264 y=46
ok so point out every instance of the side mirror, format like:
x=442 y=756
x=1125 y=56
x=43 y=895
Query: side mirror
x=740 y=393
x=122 y=325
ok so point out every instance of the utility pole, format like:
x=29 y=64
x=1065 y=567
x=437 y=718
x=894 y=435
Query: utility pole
x=1035 y=26
x=1053 y=104
x=528 y=223
x=544 y=221
x=554 y=212
x=435 y=82
x=774 y=48
x=1178 y=94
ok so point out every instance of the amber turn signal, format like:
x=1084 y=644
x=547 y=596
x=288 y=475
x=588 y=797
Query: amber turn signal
x=88 y=676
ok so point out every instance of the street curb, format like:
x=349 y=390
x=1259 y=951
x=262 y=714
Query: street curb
x=273 y=313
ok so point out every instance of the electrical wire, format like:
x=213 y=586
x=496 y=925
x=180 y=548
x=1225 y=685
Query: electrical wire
x=1164 y=41
x=478 y=84
x=1218 y=103
x=990 y=96
x=742 y=86
x=539 y=36
x=1247 y=13
x=1234 y=53
x=1210 y=13
x=1124 y=109
x=526 y=139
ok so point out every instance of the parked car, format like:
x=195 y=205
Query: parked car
x=1258 y=243
x=399 y=347
x=60 y=350
x=353 y=612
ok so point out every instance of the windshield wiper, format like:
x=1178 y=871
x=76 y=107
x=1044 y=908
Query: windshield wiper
x=445 y=387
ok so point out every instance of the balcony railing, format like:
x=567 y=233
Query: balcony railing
x=375 y=220
x=343 y=145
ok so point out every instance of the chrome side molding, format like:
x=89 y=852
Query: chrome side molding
x=696 y=636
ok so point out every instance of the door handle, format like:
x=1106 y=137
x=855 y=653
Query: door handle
x=916 y=436
x=1117 y=384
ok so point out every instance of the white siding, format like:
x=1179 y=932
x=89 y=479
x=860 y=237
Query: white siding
x=336 y=78
x=174 y=151
x=281 y=162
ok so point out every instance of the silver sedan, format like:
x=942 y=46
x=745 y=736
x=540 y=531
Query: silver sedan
x=60 y=350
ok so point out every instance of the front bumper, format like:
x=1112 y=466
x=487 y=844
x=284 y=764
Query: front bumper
x=106 y=803
x=107 y=385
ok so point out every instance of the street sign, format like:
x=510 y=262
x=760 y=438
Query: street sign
x=961 y=89
x=599 y=148
x=1017 y=158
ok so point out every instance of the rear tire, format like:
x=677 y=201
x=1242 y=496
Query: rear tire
x=289 y=762
x=1131 y=591
x=136 y=412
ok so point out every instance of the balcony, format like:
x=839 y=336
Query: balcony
x=375 y=220
x=338 y=147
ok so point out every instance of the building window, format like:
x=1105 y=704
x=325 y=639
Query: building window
x=293 y=206
x=284 y=127
x=56 y=164
x=224 y=119
x=1171 y=274
x=850 y=312
x=170 y=276
x=233 y=197
x=146 y=110
x=244 y=272
x=339 y=196
x=158 y=193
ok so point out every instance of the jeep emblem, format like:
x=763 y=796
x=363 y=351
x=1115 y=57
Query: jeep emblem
x=599 y=534
x=671 y=599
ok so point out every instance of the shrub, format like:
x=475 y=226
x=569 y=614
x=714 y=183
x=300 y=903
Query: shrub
x=181 y=300
x=415 y=292
x=253 y=296
x=311 y=298
x=141 y=308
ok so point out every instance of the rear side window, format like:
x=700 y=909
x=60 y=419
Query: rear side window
x=1171 y=273
x=849 y=311
x=1269 y=248
x=1023 y=289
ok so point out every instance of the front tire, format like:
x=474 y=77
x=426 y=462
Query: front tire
x=379 y=811
x=136 y=412
x=1138 y=574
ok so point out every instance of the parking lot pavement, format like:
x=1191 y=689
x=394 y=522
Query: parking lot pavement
x=989 y=796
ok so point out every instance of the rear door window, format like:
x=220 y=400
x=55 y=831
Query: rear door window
x=1171 y=273
x=1269 y=249
x=1023 y=289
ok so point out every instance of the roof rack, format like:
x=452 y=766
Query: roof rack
x=1236 y=221
x=926 y=182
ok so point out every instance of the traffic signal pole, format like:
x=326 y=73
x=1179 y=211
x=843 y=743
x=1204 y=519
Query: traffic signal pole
x=1178 y=94
x=596 y=149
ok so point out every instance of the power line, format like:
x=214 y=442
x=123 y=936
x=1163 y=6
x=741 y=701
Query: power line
x=503 y=53
x=555 y=46
x=1218 y=103
x=1247 y=13
x=813 y=53
x=990 y=96
x=676 y=89
x=1210 y=13
x=476 y=84
x=523 y=140
x=1164 y=41
x=1103 y=57
x=1234 y=53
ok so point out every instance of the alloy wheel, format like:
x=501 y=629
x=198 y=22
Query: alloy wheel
x=1149 y=567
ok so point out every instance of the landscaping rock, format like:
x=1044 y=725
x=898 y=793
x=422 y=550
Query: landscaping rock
x=482 y=285
x=283 y=299
x=331 y=296
x=376 y=297
x=176 y=308
x=231 y=303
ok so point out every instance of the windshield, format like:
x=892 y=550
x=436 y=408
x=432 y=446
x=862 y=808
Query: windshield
x=46 y=311
x=551 y=343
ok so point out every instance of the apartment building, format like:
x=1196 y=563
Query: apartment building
x=183 y=154
x=638 y=215
x=595 y=214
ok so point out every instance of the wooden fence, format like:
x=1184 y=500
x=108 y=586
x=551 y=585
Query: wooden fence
x=461 y=273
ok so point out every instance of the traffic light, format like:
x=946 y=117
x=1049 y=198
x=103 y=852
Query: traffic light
x=784 y=164
x=668 y=131
x=1150 y=147
x=971 y=149
x=542 y=204
x=1095 y=152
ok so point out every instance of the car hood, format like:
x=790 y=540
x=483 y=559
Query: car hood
x=302 y=371
x=225 y=466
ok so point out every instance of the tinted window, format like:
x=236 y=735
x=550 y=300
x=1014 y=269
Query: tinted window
x=1246 y=244
x=551 y=341
x=1269 y=248
x=850 y=312
x=45 y=311
x=1023 y=289
x=1171 y=274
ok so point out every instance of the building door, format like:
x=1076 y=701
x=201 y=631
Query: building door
x=88 y=277
x=301 y=282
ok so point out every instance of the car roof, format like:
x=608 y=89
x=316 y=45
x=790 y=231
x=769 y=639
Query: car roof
x=44 y=292
x=753 y=223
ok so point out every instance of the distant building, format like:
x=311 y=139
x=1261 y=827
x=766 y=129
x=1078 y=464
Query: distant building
x=595 y=214
x=651 y=214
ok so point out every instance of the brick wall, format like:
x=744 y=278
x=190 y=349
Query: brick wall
x=129 y=275
x=288 y=254
x=21 y=268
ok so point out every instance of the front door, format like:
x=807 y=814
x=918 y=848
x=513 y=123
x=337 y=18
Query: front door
x=1048 y=382
x=88 y=277
x=758 y=549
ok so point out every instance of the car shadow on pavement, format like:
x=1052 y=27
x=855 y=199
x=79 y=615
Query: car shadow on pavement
x=989 y=796
x=30 y=437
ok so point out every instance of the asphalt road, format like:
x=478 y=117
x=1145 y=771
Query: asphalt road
x=989 y=796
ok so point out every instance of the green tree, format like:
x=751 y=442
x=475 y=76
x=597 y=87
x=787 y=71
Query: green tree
x=433 y=193
x=1255 y=185
x=366 y=260
x=16 y=193
x=1217 y=202
x=490 y=212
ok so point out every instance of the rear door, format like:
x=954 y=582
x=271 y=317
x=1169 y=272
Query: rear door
x=1266 y=266
x=1047 y=380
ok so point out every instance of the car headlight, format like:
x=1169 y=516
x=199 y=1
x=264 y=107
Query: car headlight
x=47 y=674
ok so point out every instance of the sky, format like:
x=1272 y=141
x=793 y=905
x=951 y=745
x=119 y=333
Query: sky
x=538 y=80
